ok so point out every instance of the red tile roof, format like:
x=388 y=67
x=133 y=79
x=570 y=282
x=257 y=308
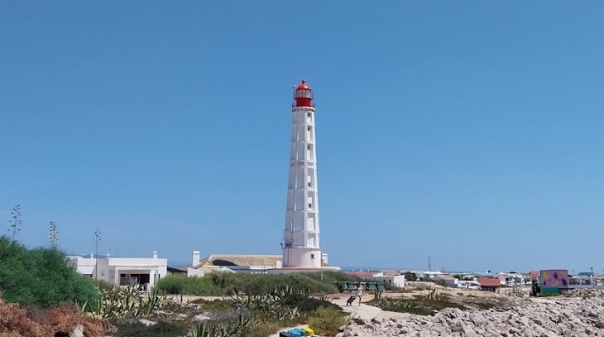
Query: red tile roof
x=533 y=274
x=489 y=282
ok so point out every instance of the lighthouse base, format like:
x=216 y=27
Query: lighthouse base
x=309 y=258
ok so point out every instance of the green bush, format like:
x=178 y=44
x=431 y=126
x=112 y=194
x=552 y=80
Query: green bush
x=259 y=284
x=220 y=284
x=172 y=284
x=327 y=321
x=41 y=277
x=180 y=284
x=426 y=304
x=330 y=277
x=307 y=304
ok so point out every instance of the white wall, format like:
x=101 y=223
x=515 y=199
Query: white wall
x=192 y=272
x=396 y=281
x=84 y=266
x=450 y=282
x=196 y=258
x=301 y=238
x=109 y=269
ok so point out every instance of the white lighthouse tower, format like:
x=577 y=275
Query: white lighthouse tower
x=301 y=247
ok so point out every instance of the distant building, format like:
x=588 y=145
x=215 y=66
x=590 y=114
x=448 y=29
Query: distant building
x=513 y=279
x=237 y=263
x=397 y=281
x=533 y=275
x=489 y=283
x=448 y=280
x=122 y=271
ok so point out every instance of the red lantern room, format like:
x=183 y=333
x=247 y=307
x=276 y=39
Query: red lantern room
x=303 y=95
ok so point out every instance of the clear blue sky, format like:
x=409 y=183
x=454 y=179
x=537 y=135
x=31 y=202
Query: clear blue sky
x=467 y=131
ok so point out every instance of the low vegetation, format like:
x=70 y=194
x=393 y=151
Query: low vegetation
x=226 y=284
x=259 y=315
x=426 y=304
x=127 y=302
x=43 y=322
x=40 y=277
x=327 y=321
x=134 y=328
x=49 y=298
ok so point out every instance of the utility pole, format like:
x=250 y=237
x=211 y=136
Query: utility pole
x=591 y=277
x=97 y=238
x=54 y=234
x=16 y=221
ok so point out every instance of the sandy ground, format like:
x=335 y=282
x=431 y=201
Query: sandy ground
x=365 y=311
x=368 y=312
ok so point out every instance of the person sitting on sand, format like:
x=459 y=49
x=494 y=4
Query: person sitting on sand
x=359 y=292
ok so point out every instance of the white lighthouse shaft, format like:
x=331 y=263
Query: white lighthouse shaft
x=301 y=234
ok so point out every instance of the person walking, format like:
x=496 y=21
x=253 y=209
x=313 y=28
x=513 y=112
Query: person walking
x=359 y=292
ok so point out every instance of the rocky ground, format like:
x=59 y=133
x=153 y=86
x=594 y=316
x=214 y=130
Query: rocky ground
x=578 y=314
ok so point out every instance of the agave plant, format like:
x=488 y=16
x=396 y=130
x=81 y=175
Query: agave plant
x=222 y=329
x=126 y=302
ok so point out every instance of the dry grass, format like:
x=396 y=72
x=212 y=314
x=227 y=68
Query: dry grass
x=16 y=321
x=417 y=292
x=35 y=322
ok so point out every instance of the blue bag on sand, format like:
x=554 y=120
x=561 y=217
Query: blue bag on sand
x=295 y=333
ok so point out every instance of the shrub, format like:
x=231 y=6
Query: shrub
x=40 y=277
x=426 y=304
x=180 y=284
x=327 y=321
x=15 y=319
x=330 y=277
x=307 y=304
x=220 y=284
x=128 y=302
x=138 y=329
x=258 y=284
x=64 y=319
x=172 y=284
x=57 y=321
x=222 y=328
x=214 y=305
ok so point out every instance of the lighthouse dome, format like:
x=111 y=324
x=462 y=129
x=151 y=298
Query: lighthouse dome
x=303 y=95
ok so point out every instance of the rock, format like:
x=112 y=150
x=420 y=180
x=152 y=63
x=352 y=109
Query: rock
x=359 y=321
x=147 y=322
x=78 y=331
x=200 y=318
x=457 y=326
x=570 y=316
